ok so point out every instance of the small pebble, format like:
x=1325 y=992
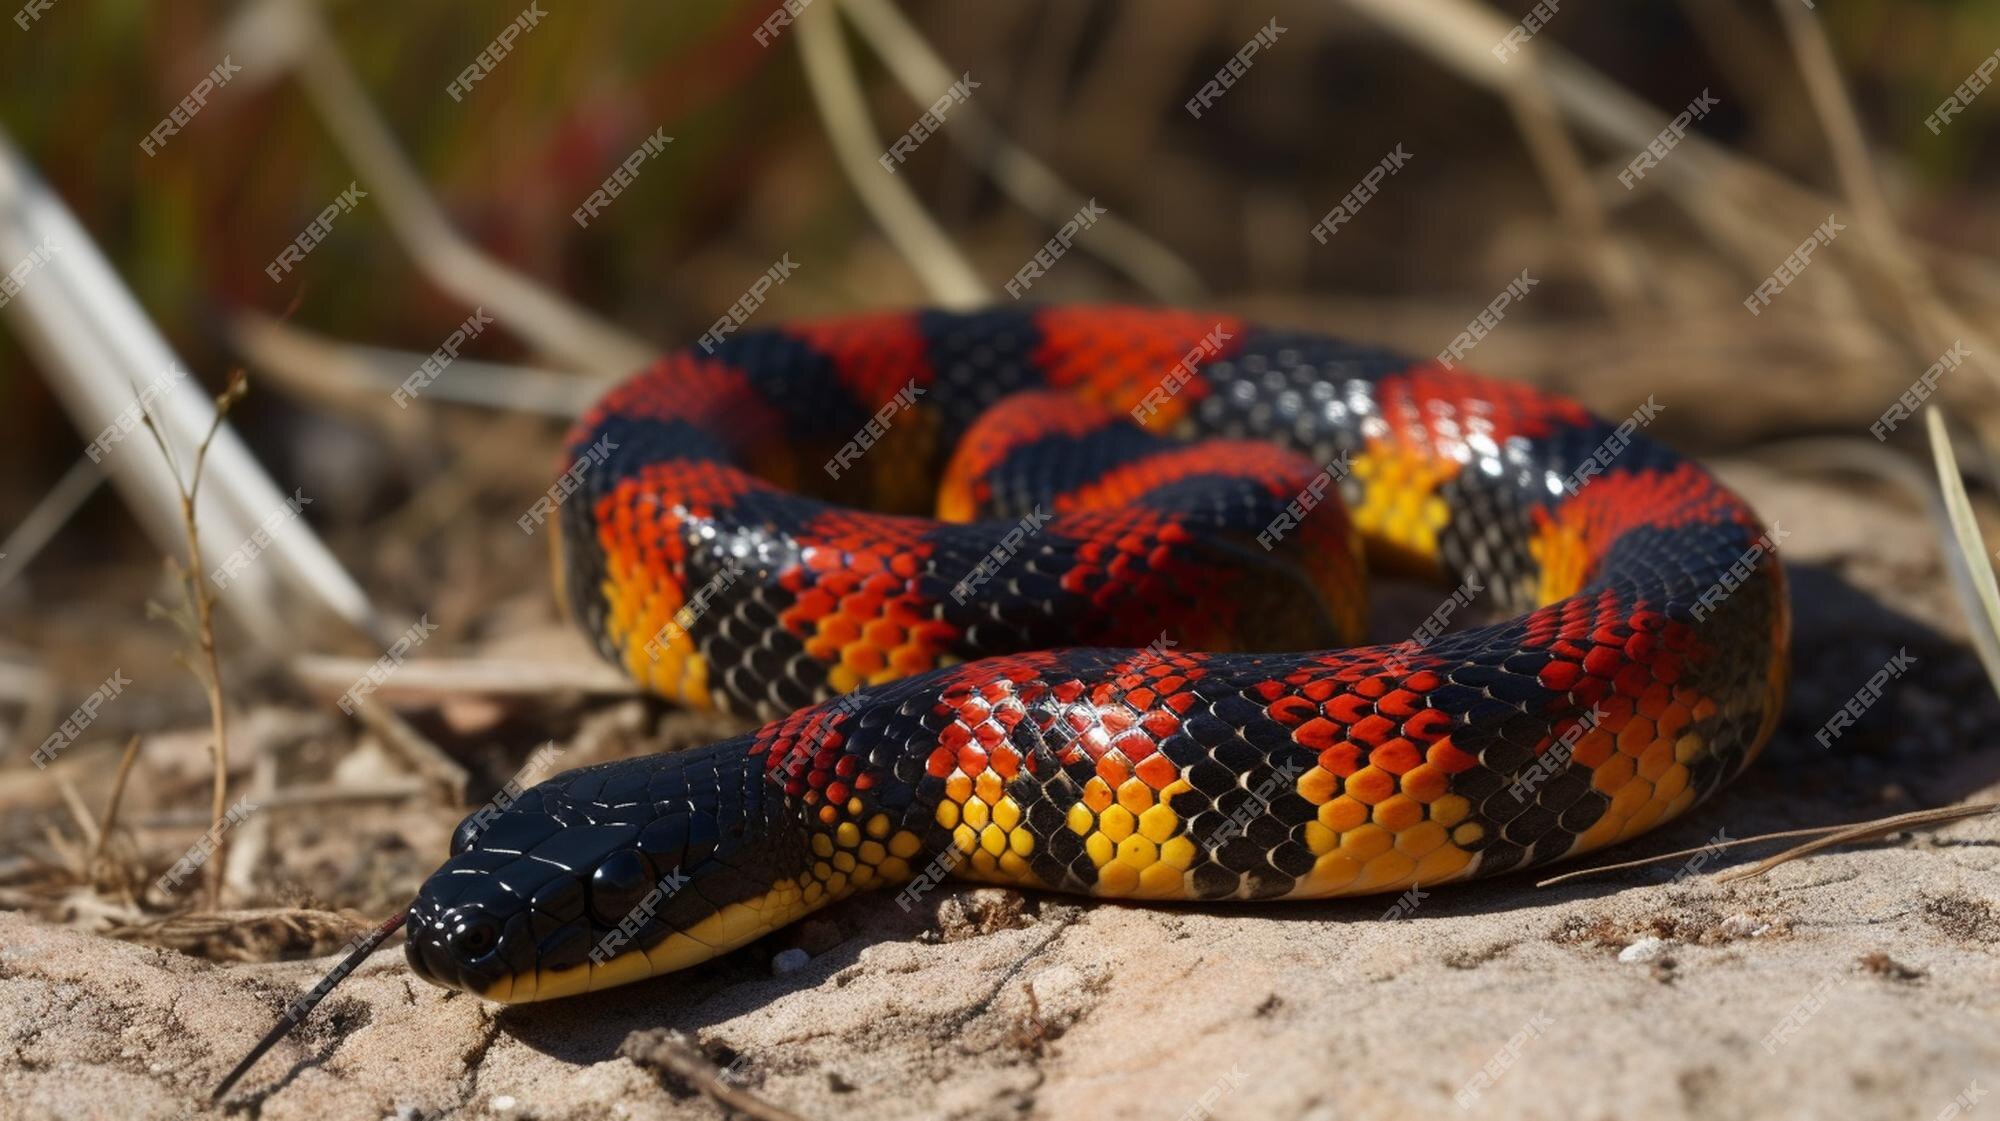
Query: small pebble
x=789 y=961
x=504 y=1102
x=1646 y=949
x=1744 y=926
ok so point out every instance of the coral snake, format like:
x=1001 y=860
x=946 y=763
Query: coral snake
x=1007 y=586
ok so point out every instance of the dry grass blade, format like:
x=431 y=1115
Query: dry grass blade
x=363 y=379
x=111 y=806
x=48 y=517
x=1930 y=320
x=275 y=935
x=444 y=677
x=1971 y=564
x=836 y=93
x=1827 y=835
x=1863 y=831
x=1031 y=183
x=443 y=772
x=96 y=348
x=555 y=325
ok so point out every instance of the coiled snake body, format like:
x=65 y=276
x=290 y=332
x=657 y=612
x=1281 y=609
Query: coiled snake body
x=1056 y=683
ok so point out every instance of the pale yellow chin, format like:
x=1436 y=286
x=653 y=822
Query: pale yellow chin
x=732 y=926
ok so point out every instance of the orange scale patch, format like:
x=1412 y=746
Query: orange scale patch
x=1348 y=709
x=1373 y=729
x=1318 y=734
x=1292 y=711
x=1426 y=724
x=1006 y=760
x=1426 y=783
x=1134 y=745
x=1396 y=756
x=1113 y=769
x=1157 y=771
x=1341 y=759
x=1446 y=756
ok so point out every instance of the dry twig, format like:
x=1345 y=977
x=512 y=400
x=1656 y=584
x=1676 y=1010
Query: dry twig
x=197 y=616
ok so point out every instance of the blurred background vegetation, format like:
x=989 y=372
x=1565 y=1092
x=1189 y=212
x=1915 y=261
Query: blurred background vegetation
x=1094 y=87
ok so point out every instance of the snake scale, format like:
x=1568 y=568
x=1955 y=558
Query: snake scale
x=1013 y=587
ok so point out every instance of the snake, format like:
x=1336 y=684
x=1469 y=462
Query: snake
x=1072 y=598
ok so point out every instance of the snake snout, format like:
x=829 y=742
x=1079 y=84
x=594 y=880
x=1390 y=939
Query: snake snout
x=463 y=945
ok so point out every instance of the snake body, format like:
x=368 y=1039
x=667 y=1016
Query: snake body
x=1056 y=681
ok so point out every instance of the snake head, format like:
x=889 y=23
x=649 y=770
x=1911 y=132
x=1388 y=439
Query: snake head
x=610 y=874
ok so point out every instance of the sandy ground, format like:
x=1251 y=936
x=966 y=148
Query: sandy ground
x=1862 y=982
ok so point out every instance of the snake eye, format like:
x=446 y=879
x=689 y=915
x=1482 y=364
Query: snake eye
x=475 y=938
x=618 y=884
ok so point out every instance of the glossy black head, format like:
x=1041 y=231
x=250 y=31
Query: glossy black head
x=609 y=874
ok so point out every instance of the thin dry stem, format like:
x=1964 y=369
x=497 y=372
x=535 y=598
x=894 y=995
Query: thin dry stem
x=201 y=601
x=836 y=93
x=110 y=817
